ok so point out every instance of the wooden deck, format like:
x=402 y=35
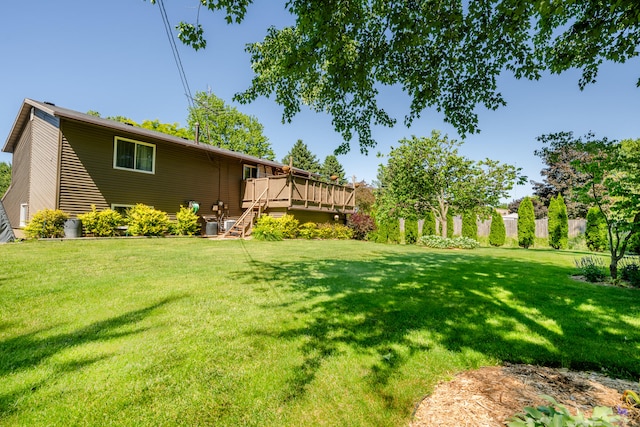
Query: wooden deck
x=299 y=193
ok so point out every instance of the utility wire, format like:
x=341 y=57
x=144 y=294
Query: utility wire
x=176 y=54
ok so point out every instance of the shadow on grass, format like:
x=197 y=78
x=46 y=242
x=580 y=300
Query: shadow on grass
x=510 y=309
x=29 y=350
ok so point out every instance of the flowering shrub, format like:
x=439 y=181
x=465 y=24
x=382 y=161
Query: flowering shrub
x=592 y=268
x=362 y=225
x=439 y=242
x=143 y=220
x=46 y=223
x=186 y=222
x=308 y=230
x=267 y=228
x=101 y=224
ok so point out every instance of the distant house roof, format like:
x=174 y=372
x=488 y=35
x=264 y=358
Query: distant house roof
x=64 y=113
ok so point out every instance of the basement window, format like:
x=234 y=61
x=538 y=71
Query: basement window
x=134 y=155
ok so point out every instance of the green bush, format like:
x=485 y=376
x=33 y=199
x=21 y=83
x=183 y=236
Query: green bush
x=630 y=271
x=101 y=224
x=411 y=231
x=144 y=220
x=308 y=230
x=596 y=231
x=497 y=232
x=429 y=225
x=526 y=223
x=634 y=244
x=289 y=226
x=557 y=415
x=387 y=231
x=267 y=228
x=187 y=222
x=592 y=268
x=334 y=231
x=439 y=242
x=47 y=223
x=470 y=225
x=558 y=223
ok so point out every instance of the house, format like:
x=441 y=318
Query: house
x=63 y=159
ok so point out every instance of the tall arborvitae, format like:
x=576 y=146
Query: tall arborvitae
x=469 y=225
x=497 y=232
x=429 y=225
x=558 y=223
x=526 y=224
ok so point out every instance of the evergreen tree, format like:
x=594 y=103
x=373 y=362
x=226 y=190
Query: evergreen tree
x=596 y=232
x=303 y=158
x=332 y=167
x=449 y=224
x=410 y=231
x=558 y=223
x=526 y=224
x=429 y=225
x=497 y=232
x=469 y=225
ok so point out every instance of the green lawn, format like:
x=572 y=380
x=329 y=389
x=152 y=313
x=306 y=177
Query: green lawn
x=149 y=332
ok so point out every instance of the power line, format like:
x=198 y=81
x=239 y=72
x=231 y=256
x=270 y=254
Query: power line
x=176 y=54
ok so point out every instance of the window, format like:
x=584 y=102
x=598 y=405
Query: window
x=249 y=172
x=121 y=209
x=134 y=155
x=24 y=213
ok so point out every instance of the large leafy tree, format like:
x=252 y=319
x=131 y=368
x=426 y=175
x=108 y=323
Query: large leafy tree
x=224 y=126
x=302 y=157
x=428 y=174
x=5 y=177
x=561 y=176
x=613 y=186
x=446 y=55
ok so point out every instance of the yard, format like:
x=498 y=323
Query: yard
x=196 y=332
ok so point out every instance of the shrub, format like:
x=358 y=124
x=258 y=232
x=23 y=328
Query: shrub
x=308 y=230
x=558 y=223
x=187 y=222
x=410 y=231
x=526 y=224
x=634 y=244
x=388 y=231
x=288 y=225
x=497 y=232
x=101 y=224
x=429 y=226
x=470 y=225
x=439 y=242
x=334 y=231
x=47 y=223
x=630 y=271
x=592 y=268
x=557 y=415
x=362 y=225
x=144 y=220
x=267 y=228
x=596 y=231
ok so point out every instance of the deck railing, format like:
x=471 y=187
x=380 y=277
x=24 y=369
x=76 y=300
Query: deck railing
x=300 y=193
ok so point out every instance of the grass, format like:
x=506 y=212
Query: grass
x=194 y=332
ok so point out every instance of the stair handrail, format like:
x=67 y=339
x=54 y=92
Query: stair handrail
x=246 y=212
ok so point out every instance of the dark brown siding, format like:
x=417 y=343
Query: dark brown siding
x=181 y=174
x=18 y=192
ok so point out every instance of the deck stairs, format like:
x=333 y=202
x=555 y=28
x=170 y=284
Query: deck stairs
x=243 y=225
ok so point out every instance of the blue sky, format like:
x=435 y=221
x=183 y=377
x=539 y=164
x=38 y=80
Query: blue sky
x=114 y=57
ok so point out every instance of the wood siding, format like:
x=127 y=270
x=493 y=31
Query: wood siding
x=18 y=192
x=181 y=174
x=44 y=166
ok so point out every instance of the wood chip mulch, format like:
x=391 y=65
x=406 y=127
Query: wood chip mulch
x=490 y=396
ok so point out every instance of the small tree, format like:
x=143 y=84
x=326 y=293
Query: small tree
x=469 y=225
x=411 y=231
x=497 y=233
x=558 y=223
x=526 y=224
x=596 y=232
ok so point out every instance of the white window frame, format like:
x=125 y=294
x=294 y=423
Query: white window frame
x=133 y=141
x=114 y=206
x=24 y=214
x=254 y=170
